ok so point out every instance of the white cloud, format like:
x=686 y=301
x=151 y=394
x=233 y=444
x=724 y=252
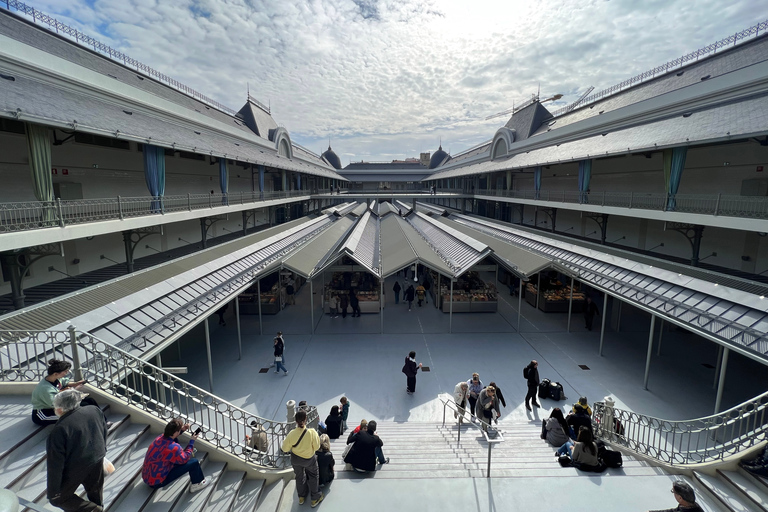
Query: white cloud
x=387 y=78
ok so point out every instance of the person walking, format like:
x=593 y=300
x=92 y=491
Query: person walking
x=590 y=310
x=355 y=303
x=397 y=289
x=343 y=303
x=302 y=443
x=475 y=387
x=410 y=368
x=75 y=450
x=532 y=373
x=409 y=293
x=274 y=341
x=499 y=397
x=279 y=347
x=426 y=286
x=685 y=497
x=420 y=293
x=487 y=409
x=460 y=394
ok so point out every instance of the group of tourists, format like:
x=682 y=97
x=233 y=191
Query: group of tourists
x=339 y=302
x=484 y=402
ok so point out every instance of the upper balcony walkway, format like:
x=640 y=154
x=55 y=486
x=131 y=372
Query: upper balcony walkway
x=26 y=224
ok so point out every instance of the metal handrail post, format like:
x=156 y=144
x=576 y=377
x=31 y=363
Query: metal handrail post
x=717 y=204
x=75 y=353
x=189 y=201
x=120 y=207
x=488 y=471
x=61 y=213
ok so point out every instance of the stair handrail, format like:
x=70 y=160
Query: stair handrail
x=140 y=384
x=450 y=404
x=685 y=442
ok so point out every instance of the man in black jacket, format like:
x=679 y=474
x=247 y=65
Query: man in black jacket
x=76 y=448
x=579 y=418
x=533 y=384
x=366 y=449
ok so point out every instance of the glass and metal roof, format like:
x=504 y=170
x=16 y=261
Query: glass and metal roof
x=733 y=318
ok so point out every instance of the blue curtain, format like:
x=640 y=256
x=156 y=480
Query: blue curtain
x=585 y=173
x=674 y=162
x=224 y=180
x=261 y=182
x=537 y=181
x=154 y=174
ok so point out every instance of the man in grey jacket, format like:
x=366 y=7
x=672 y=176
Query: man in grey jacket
x=76 y=448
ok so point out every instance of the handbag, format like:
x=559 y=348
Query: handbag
x=279 y=359
x=346 y=451
x=564 y=461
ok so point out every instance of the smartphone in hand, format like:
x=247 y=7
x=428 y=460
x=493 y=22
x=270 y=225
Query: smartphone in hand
x=198 y=431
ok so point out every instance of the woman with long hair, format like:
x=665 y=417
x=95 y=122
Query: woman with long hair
x=555 y=429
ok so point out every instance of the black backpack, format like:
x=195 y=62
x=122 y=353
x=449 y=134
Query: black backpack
x=525 y=372
x=610 y=458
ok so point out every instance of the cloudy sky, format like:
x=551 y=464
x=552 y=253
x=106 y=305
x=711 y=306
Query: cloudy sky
x=387 y=79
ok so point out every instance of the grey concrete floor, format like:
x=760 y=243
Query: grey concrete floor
x=350 y=356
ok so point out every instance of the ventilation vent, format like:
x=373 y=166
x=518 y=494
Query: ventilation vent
x=688 y=114
x=680 y=73
x=707 y=77
x=8 y=77
x=128 y=112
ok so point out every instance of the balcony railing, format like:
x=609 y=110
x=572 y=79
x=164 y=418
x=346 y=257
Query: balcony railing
x=751 y=207
x=137 y=383
x=685 y=442
x=60 y=213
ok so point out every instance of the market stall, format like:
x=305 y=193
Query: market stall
x=470 y=295
x=366 y=288
x=554 y=297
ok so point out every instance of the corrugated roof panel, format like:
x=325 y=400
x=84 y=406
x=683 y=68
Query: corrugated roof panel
x=426 y=254
x=305 y=260
x=396 y=251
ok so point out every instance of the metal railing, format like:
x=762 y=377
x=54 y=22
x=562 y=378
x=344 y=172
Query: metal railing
x=685 y=442
x=459 y=413
x=729 y=41
x=751 y=207
x=30 y=215
x=90 y=42
x=137 y=383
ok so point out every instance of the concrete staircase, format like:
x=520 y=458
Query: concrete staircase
x=23 y=470
x=418 y=452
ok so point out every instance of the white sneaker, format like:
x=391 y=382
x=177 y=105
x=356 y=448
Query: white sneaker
x=201 y=485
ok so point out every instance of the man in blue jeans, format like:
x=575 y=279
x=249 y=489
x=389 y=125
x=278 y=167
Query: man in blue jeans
x=166 y=460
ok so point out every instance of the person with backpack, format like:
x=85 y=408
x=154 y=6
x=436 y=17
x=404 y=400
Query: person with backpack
x=409 y=293
x=420 y=294
x=397 y=289
x=531 y=374
x=555 y=429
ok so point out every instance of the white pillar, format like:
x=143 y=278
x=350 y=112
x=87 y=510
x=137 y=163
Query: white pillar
x=381 y=303
x=721 y=382
x=312 y=305
x=450 y=311
x=602 y=323
x=258 y=301
x=239 y=336
x=650 y=351
x=208 y=351
x=570 y=306
x=661 y=333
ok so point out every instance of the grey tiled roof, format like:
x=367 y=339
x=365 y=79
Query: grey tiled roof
x=716 y=65
x=50 y=104
x=746 y=118
x=40 y=38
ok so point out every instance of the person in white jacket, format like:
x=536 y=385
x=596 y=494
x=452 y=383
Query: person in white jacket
x=460 y=394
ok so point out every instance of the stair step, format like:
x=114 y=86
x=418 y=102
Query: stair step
x=226 y=491
x=749 y=488
x=196 y=502
x=127 y=471
x=270 y=497
x=289 y=497
x=729 y=498
x=123 y=440
x=248 y=496
x=24 y=459
x=501 y=473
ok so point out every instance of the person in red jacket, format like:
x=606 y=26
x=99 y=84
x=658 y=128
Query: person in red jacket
x=166 y=460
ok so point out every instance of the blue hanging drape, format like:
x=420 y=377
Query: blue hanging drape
x=154 y=174
x=261 y=182
x=224 y=180
x=39 y=152
x=537 y=181
x=674 y=162
x=585 y=173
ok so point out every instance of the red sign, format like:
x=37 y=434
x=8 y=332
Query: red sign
x=65 y=171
